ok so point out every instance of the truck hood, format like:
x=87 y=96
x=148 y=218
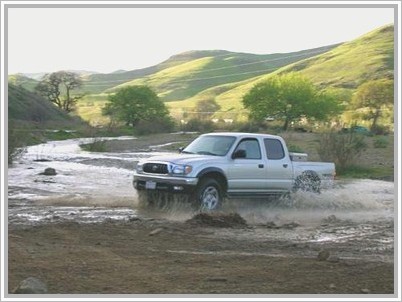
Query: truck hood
x=182 y=159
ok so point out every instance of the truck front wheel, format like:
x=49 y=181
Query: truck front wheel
x=209 y=195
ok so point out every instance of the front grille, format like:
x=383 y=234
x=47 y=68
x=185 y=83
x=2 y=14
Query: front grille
x=155 y=168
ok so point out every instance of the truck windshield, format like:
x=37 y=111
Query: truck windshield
x=217 y=145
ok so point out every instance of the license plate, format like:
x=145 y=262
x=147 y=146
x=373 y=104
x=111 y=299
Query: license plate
x=150 y=185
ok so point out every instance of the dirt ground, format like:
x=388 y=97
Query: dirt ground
x=196 y=256
x=151 y=253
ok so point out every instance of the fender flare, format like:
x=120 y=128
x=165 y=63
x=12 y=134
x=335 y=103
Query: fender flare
x=209 y=170
x=215 y=170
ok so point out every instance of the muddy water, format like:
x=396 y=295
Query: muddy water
x=88 y=187
x=95 y=187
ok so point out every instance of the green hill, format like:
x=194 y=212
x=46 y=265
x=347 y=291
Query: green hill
x=189 y=73
x=22 y=81
x=344 y=67
x=369 y=57
x=98 y=83
x=29 y=108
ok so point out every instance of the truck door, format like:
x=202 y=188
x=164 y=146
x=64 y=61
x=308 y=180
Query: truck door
x=279 y=167
x=248 y=173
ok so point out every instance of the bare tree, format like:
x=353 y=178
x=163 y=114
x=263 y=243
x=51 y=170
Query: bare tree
x=58 y=88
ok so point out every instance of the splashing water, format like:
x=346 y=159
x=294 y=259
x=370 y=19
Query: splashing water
x=86 y=179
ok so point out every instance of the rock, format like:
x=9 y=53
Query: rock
x=332 y=286
x=323 y=255
x=290 y=225
x=271 y=225
x=31 y=285
x=333 y=259
x=331 y=219
x=49 y=172
x=155 y=232
x=365 y=291
x=222 y=220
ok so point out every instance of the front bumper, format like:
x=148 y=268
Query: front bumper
x=164 y=183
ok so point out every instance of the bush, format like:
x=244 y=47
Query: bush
x=17 y=141
x=198 y=125
x=295 y=149
x=341 y=148
x=248 y=127
x=97 y=145
x=379 y=130
x=380 y=142
x=146 y=127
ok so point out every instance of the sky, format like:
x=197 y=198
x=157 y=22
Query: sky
x=109 y=39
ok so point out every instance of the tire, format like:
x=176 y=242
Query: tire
x=208 y=195
x=308 y=182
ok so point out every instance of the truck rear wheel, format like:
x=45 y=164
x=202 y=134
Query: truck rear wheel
x=308 y=181
x=209 y=195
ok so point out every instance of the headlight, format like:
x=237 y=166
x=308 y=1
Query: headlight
x=139 y=168
x=181 y=169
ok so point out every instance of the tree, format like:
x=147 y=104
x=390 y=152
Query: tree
x=133 y=104
x=57 y=87
x=289 y=97
x=371 y=98
x=206 y=107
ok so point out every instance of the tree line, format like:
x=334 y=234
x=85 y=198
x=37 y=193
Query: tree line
x=288 y=98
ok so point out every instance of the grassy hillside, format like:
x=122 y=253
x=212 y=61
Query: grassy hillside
x=97 y=83
x=369 y=57
x=22 y=81
x=31 y=109
x=193 y=72
x=344 y=67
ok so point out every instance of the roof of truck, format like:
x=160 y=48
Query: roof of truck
x=243 y=134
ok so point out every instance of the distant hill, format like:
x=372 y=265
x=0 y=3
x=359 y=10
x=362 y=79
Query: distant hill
x=186 y=74
x=27 y=107
x=344 y=67
x=369 y=57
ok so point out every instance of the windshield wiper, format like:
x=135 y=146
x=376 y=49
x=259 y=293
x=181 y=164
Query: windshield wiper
x=187 y=152
x=207 y=153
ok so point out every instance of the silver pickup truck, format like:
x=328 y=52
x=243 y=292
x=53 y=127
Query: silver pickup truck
x=219 y=165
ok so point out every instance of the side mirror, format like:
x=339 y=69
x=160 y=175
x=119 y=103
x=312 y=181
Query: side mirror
x=181 y=149
x=239 y=154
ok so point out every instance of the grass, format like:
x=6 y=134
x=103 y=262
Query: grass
x=344 y=67
x=382 y=173
x=89 y=108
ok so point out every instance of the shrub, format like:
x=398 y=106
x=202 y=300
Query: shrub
x=17 y=142
x=198 y=125
x=96 y=145
x=379 y=130
x=295 y=149
x=380 y=142
x=163 y=125
x=341 y=148
x=248 y=127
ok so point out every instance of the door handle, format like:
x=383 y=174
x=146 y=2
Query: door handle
x=260 y=166
x=285 y=165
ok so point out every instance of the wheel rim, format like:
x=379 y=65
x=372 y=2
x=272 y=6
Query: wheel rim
x=209 y=198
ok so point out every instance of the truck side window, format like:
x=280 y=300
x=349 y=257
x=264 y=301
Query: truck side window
x=274 y=148
x=252 y=148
